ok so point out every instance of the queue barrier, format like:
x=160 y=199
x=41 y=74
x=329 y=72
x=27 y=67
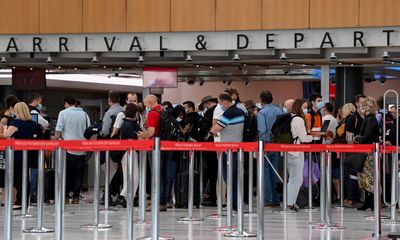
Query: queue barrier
x=156 y=147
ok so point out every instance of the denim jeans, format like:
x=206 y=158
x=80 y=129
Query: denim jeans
x=271 y=179
x=165 y=192
x=74 y=173
x=234 y=175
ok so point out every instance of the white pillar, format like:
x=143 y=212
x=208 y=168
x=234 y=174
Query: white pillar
x=325 y=83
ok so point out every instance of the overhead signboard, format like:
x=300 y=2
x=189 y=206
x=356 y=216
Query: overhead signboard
x=200 y=41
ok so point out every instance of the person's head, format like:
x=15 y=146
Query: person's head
x=328 y=109
x=69 y=101
x=379 y=102
x=358 y=99
x=167 y=105
x=189 y=106
x=369 y=106
x=234 y=94
x=225 y=100
x=78 y=103
x=113 y=97
x=141 y=108
x=208 y=102
x=22 y=111
x=299 y=107
x=287 y=105
x=393 y=111
x=131 y=110
x=150 y=101
x=347 y=109
x=9 y=102
x=131 y=98
x=179 y=113
x=266 y=97
x=34 y=100
x=316 y=101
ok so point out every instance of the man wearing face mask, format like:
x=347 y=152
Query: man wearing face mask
x=192 y=119
x=314 y=116
x=35 y=106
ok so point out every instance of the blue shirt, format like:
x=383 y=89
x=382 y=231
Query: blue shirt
x=232 y=122
x=266 y=118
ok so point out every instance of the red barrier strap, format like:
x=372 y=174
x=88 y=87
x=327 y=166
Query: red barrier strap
x=208 y=146
x=104 y=145
x=353 y=148
x=34 y=144
x=388 y=149
x=356 y=148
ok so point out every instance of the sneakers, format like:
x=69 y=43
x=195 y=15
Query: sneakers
x=33 y=198
x=120 y=201
x=294 y=208
x=75 y=200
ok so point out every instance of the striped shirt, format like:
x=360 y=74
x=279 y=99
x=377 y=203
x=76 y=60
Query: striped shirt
x=232 y=122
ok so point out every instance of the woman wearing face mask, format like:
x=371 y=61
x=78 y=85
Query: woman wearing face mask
x=295 y=160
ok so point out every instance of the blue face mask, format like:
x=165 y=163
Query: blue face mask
x=320 y=105
x=305 y=110
x=285 y=110
x=39 y=107
x=14 y=114
x=223 y=108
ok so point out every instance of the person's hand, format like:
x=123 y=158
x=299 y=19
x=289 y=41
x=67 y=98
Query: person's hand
x=142 y=134
x=388 y=143
x=187 y=128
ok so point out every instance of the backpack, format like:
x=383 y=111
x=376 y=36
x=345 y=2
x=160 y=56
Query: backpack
x=387 y=122
x=281 y=131
x=169 y=128
x=250 y=130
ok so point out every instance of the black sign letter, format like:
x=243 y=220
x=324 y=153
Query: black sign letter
x=358 y=35
x=161 y=45
x=63 y=44
x=135 y=44
x=327 y=40
x=36 y=44
x=298 y=37
x=109 y=47
x=388 y=36
x=270 y=40
x=246 y=41
x=12 y=44
x=86 y=44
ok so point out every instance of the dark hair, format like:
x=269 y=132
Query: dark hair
x=190 y=104
x=168 y=104
x=225 y=97
x=131 y=93
x=113 y=96
x=71 y=100
x=10 y=101
x=358 y=96
x=131 y=110
x=379 y=101
x=178 y=110
x=78 y=103
x=329 y=107
x=33 y=96
x=266 y=97
x=314 y=96
x=232 y=91
x=297 y=107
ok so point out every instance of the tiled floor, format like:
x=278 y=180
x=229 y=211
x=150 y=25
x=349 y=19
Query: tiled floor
x=277 y=226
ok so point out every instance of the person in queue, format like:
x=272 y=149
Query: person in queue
x=314 y=116
x=130 y=98
x=22 y=127
x=265 y=119
x=369 y=134
x=71 y=125
x=192 y=119
x=230 y=126
x=295 y=160
x=153 y=130
x=287 y=106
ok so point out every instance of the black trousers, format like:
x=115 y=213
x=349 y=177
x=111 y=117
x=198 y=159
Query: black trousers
x=210 y=160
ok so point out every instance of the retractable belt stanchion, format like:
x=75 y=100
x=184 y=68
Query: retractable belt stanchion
x=228 y=227
x=322 y=224
x=190 y=217
x=201 y=172
x=107 y=208
x=260 y=191
x=251 y=173
x=58 y=194
x=142 y=188
x=24 y=187
x=341 y=181
x=40 y=196
x=155 y=194
x=310 y=207
x=219 y=214
x=64 y=179
x=284 y=208
x=9 y=184
x=240 y=177
x=129 y=218
x=96 y=225
x=377 y=195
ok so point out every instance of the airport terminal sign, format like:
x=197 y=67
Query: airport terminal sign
x=200 y=41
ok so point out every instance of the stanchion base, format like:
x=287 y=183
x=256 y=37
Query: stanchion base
x=160 y=238
x=244 y=234
x=250 y=213
x=225 y=229
x=96 y=227
x=391 y=222
x=38 y=230
x=140 y=222
x=108 y=210
x=283 y=211
x=339 y=208
x=216 y=216
x=189 y=219
x=311 y=209
x=319 y=226
x=64 y=213
x=332 y=226
x=24 y=216
x=372 y=217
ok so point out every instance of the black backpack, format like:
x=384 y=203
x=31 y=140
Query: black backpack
x=281 y=130
x=250 y=130
x=170 y=129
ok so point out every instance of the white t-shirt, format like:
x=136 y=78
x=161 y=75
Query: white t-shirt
x=120 y=119
x=216 y=116
x=332 y=126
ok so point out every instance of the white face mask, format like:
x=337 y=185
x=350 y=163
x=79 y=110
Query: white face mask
x=148 y=109
x=305 y=111
x=285 y=110
x=179 y=119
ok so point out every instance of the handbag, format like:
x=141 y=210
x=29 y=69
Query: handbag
x=355 y=161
